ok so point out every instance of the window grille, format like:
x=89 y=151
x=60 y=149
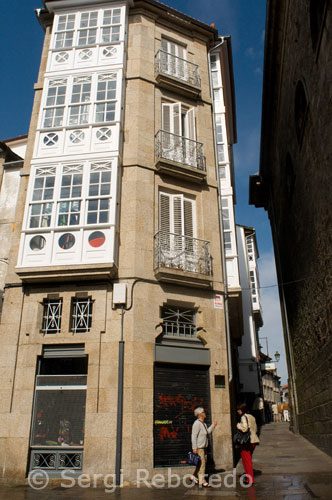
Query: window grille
x=81 y=315
x=65 y=31
x=253 y=285
x=111 y=33
x=220 y=139
x=55 y=103
x=179 y=322
x=226 y=220
x=52 y=316
x=99 y=192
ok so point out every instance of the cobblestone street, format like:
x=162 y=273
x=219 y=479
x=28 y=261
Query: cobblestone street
x=286 y=467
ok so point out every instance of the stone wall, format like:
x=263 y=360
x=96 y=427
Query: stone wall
x=297 y=152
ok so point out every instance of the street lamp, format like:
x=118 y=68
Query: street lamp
x=277 y=356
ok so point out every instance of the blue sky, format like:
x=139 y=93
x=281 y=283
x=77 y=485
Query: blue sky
x=244 y=20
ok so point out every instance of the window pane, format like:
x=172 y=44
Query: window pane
x=94 y=190
x=103 y=217
x=65 y=192
x=34 y=222
x=93 y=205
x=37 y=195
x=104 y=204
x=49 y=182
x=106 y=176
x=76 y=192
x=66 y=180
x=92 y=218
x=36 y=209
x=48 y=194
x=105 y=189
x=64 y=206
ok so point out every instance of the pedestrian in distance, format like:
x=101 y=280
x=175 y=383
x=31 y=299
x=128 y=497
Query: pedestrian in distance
x=246 y=450
x=258 y=411
x=275 y=412
x=199 y=441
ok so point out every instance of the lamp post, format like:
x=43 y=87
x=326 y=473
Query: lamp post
x=277 y=356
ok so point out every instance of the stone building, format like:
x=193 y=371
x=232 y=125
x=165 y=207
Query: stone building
x=294 y=186
x=113 y=327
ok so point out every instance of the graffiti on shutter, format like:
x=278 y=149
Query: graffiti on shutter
x=178 y=390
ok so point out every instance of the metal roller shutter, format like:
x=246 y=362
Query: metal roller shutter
x=178 y=390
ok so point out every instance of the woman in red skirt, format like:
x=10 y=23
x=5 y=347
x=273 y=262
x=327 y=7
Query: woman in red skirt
x=246 y=450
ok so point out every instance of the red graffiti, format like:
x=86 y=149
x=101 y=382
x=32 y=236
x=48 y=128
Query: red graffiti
x=165 y=433
x=168 y=401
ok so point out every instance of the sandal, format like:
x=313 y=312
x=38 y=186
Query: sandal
x=206 y=485
x=194 y=480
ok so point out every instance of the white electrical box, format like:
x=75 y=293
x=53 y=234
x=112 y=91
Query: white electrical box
x=119 y=293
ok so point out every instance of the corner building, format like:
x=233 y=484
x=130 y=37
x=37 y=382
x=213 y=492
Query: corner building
x=119 y=187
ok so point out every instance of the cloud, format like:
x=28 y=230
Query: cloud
x=272 y=328
x=250 y=52
x=263 y=36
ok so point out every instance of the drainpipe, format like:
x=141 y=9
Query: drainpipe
x=119 y=420
x=221 y=229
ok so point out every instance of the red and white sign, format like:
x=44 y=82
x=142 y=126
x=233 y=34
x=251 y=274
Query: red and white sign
x=218 y=302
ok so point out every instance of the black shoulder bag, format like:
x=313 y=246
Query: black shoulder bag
x=242 y=437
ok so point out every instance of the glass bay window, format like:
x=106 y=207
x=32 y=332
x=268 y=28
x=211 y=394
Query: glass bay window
x=81 y=100
x=87 y=28
x=70 y=195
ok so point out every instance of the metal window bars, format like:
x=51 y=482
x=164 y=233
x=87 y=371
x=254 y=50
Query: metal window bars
x=180 y=149
x=54 y=459
x=52 y=316
x=81 y=315
x=179 y=322
x=177 y=67
x=185 y=253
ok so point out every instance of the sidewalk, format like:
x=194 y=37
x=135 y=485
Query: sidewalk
x=286 y=467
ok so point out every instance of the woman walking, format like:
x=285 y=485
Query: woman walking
x=246 y=450
x=199 y=440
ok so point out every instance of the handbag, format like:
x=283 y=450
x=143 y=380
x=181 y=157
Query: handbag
x=242 y=437
x=193 y=458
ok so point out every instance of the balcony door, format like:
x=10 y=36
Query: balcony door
x=179 y=134
x=173 y=59
x=177 y=232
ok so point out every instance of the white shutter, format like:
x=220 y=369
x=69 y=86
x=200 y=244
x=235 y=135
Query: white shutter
x=177 y=119
x=166 y=117
x=164 y=44
x=172 y=48
x=178 y=214
x=171 y=118
x=191 y=132
x=164 y=213
x=188 y=218
x=181 y=52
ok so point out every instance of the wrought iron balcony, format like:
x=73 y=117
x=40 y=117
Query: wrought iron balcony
x=176 y=67
x=182 y=253
x=180 y=150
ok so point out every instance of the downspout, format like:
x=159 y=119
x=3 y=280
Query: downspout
x=221 y=228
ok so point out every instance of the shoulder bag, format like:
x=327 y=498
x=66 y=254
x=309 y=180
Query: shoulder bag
x=242 y=437
x=193 y=458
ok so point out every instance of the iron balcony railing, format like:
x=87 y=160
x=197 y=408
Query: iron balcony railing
x=182 y=252
x=177 y=67
x=179 y=330
x=180 y=149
